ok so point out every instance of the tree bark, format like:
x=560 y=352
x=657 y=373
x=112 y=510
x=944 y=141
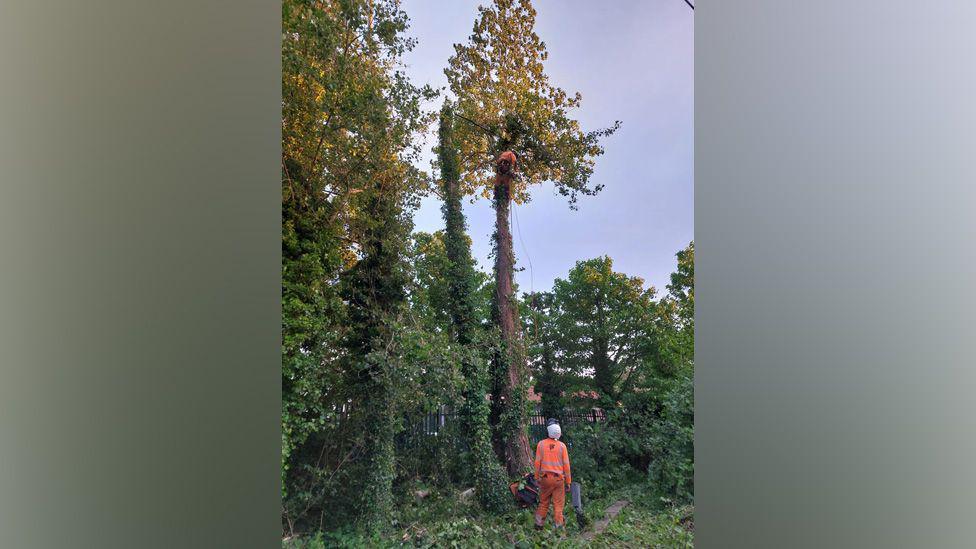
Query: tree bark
x=511 y=392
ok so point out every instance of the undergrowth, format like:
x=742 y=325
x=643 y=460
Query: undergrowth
x=443 y=519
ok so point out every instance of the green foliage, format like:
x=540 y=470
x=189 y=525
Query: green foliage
x=489 y=479
x=380 y=327
x=321 y=477
x=508 y=103
x=348 y=123
x=672 y=469
x=441 y=520
x=541 y=333
x=461 y=275
x=652 y=432
x=676 y=318
x=592 y=454
x=375 y=292
x=671 y=528
x=604 y=324
x=682 y=286
x=513 y=418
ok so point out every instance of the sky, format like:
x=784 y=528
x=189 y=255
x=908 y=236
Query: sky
x=632 y=61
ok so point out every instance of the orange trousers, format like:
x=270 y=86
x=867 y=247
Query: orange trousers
x=552 y=488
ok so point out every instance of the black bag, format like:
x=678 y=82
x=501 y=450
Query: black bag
x=528 y=494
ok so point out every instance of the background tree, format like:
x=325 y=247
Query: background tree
x=430 y=292
x=507 y=104
x=676 y=318
x=605 y=326
x=673 y=469
x=682 y=286
x=659 y=419
x=314 y=89
x=682 y=292
x=550 y=383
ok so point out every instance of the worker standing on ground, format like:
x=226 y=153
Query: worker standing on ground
x=552 y=470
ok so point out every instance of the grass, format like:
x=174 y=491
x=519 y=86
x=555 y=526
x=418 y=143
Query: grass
x=441 y=520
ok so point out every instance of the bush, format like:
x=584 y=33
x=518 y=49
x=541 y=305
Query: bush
x=672 y=469
x=651 y=434
x=322 y=481
x=590 y=452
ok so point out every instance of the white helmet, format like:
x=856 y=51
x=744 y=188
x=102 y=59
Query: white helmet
x=553 y=429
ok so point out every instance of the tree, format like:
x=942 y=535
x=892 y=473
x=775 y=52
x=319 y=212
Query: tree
x=605 y=325
x=507 y=105
x=550 y=384
x=348 y=119
x=672 y=432
x=682 y=286
x=489 y=479
x=312 y=252
x=374 y=289
x=676 y=318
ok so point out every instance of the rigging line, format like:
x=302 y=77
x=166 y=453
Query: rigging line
x=518 y=226
x=689 y=4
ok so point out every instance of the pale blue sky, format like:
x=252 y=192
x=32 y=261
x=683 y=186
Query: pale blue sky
x=632 y=61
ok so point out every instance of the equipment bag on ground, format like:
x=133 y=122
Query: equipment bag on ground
x=526 y=491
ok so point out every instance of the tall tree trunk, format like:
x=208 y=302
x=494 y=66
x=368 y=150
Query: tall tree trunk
x=375 y=294
x=487 y=474
x=511 y=390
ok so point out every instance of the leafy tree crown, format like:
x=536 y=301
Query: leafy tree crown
x=506 y=102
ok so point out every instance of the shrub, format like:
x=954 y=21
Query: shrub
x=652 y=433
x=672 y=469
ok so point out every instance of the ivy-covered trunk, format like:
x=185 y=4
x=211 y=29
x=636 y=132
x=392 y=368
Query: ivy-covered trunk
x=380 y=424
x=510 y=392
x=488 y=476
x=375 y=293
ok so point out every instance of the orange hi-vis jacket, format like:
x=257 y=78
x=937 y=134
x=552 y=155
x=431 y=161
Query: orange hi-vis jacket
x=552 y=456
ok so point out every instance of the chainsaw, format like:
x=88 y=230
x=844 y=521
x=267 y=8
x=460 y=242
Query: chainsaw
x=576 y=497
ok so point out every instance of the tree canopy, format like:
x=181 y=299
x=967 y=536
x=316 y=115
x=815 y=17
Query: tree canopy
x=604 y=324
x=506 y=102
